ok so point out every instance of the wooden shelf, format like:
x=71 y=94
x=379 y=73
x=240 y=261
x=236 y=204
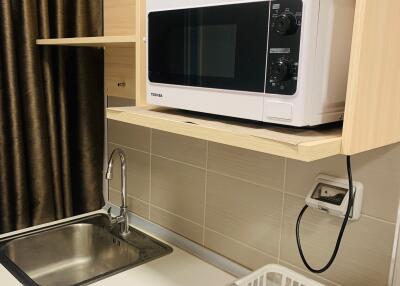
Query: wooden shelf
x=300 y=144
x=120 y=41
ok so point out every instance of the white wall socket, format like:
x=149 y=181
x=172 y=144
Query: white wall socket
x=331 y=195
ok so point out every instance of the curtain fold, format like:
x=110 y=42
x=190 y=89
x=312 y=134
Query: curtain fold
x=51 y=112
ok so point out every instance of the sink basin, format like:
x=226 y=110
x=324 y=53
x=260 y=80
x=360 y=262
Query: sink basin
x=76 y=253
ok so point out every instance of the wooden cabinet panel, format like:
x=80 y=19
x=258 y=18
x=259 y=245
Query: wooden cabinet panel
x=141 y=53
x=119 y=72
x=119 y=17
x=372 y=116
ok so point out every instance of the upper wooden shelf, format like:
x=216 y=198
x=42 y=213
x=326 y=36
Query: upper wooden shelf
x=300 y=144
x=120 y=41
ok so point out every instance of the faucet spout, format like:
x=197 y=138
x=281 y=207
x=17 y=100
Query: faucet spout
x=122 y=219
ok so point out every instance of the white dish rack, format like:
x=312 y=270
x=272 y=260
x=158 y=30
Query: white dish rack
x=275 y=275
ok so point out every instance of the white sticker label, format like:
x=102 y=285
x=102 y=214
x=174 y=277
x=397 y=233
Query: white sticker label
x=279 y=51
x=276 y=6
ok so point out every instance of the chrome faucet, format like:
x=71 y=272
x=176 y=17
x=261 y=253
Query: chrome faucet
x=122 y=219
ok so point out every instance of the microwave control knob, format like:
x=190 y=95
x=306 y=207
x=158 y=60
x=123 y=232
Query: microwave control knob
x=280 y=71
x=285 y=24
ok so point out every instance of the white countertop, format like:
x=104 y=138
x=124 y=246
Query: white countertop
x=176 y=269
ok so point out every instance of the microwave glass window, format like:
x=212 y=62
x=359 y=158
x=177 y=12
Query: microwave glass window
x=217 y=47
x=210 y=51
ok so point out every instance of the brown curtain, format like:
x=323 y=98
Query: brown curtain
x=51 y=112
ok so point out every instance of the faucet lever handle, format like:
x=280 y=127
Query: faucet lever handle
x=109 y=212
x=111 y=217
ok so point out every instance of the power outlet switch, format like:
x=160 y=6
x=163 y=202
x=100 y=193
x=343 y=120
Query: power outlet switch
x=331 y=195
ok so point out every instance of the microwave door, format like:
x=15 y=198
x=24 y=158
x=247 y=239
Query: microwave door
x=222 y=47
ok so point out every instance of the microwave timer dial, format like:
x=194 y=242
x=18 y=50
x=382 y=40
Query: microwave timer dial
x=285 y=24
x=281 y=70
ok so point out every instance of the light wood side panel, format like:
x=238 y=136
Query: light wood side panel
x=141 y=53
x=119 y=17
x=119 y=72
x=372 y=117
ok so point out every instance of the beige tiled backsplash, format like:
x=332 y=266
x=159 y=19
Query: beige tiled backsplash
x=248 y=213
x=254 y=167
x=178 y=224
x=244 y=205
x=178 y=188
x=179 y=148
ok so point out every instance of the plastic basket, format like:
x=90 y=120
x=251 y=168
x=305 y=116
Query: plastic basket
x=275 y=275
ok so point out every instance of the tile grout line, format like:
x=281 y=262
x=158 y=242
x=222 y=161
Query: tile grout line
x=150 y=175
x=242 y=243
x=377 y=219
x=205 y=197
x=247 y=181
x=180 y=162
x=127 y=147
x=129 y=196
x=285 y=175
x=311 y=274
x=282 y=211
x=178 y=216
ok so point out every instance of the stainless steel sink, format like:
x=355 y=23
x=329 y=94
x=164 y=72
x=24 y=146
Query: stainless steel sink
x=76 y=253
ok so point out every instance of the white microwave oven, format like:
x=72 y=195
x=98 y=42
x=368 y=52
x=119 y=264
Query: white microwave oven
x=278 y=61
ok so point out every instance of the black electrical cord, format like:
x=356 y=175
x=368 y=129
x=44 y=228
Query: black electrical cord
x=342 y=229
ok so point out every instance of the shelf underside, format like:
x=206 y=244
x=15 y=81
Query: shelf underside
x=300 y=144
x=119 y=41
